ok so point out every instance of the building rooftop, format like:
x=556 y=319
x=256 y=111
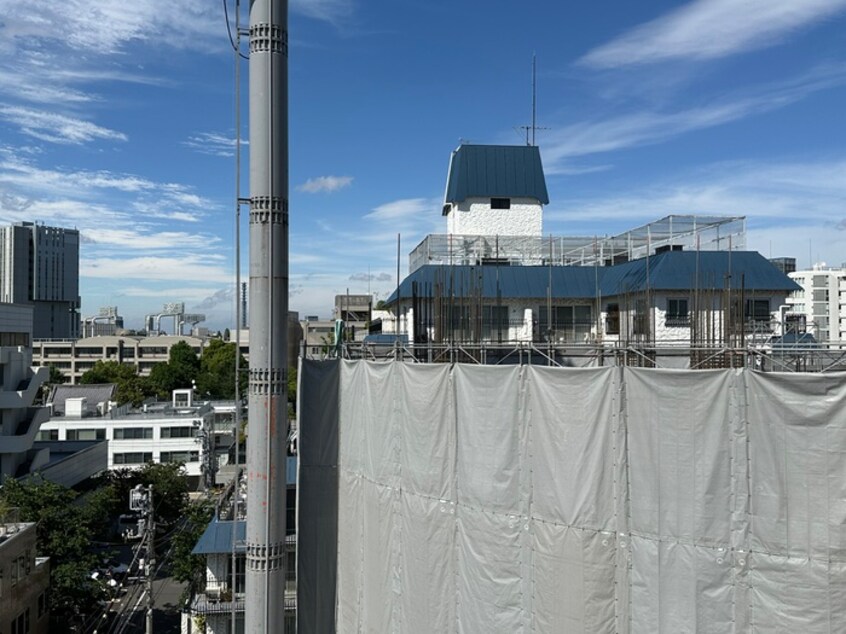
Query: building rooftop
x=490 y=171
x=668 y=271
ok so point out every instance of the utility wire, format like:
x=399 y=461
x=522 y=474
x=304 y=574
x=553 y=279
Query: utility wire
x=229 y=32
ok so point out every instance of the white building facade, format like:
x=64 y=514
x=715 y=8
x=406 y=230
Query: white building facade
x=820 y=306
x=181 y=431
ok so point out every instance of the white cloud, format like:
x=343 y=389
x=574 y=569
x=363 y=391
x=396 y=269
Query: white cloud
x=178 y=268
x=325 y=184
x=708 y=29
x=333 y=11
x=213 y=144
x=806 y=197
x=643 y=128
x=406 y=208
x=129 y=239
x=57 y=128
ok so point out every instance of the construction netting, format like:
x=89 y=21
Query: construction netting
x=438 y=498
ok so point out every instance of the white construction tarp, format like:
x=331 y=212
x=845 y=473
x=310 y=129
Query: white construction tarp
x=599 y=500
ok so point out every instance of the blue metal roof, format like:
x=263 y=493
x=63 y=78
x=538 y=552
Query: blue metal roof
x=217 y=538
x=501 y=281
x=686 y=270
x=669 y=271
x=498 y=171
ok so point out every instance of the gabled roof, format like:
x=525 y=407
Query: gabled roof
x=498 y=171
x=669 y=271
x=217 y=537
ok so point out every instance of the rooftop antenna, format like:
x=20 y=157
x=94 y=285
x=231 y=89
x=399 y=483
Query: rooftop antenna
x=530 y=139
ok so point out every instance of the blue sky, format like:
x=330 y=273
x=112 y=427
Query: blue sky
x=117 y=118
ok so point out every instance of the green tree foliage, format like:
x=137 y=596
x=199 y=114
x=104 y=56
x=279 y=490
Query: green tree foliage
x=217 y=371
x=188 y=568
x=56 y=375
x=64 y=529
x=182 y=367
x=170 y=489
x=292 y=387
x=131 y=388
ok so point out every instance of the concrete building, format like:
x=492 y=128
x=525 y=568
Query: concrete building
x=24 y=579
x=819 y=306
x=39 y=266
x=196 y=433
x=19 y=386
x=73 y=358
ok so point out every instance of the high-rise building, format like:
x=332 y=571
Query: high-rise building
x=39 y=267
x=820 y=306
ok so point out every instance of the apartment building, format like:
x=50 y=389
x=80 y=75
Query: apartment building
x=198 y=434
x=819 y=306
x=24 y=579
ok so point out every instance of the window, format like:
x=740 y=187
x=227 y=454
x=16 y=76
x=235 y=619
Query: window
x=133 y=457
x=569 y=323
x=641 y=318
x=48 y=434
x=42 y=604
x=20 y=625
x=612 y=319
x=86 y=434
x=757 y=310
x=677 y=313
x=180 y=456
x=500 y=203
x=177 y=432
x=133 y=433
x=494 y=323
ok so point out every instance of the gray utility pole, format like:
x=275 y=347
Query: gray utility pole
x=267 y=414
x=141 y=499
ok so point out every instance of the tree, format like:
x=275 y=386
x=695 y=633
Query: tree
x=64 y=528
x=217 y=371
x=170 y=488
x=186 y=567
x=182 y=368
x=292 y=387
x=131 y=388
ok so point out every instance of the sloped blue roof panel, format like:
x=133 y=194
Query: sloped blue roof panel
x=217 y=538
x=493 y=281
x=685 y=270
x=496 y=171
x=670 y=271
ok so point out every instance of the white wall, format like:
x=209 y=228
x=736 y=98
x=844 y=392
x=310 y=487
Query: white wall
x=474 y=216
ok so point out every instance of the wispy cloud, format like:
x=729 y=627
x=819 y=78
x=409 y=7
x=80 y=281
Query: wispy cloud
x=57 y=128
x=144 y=241
x=403 y=209
x=332 y=11
x=213 y=143
x=325 y=184
x=649 y=127
x=807 y=192
x=106 y=26
x=179 y=268
x=709 y=29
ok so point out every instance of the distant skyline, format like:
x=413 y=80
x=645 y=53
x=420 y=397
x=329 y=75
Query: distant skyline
x=118 y=119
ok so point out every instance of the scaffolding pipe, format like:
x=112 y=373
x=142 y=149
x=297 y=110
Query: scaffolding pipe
x=267 y=417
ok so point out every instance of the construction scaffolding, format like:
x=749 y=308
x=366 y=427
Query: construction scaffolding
x=688 y=232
